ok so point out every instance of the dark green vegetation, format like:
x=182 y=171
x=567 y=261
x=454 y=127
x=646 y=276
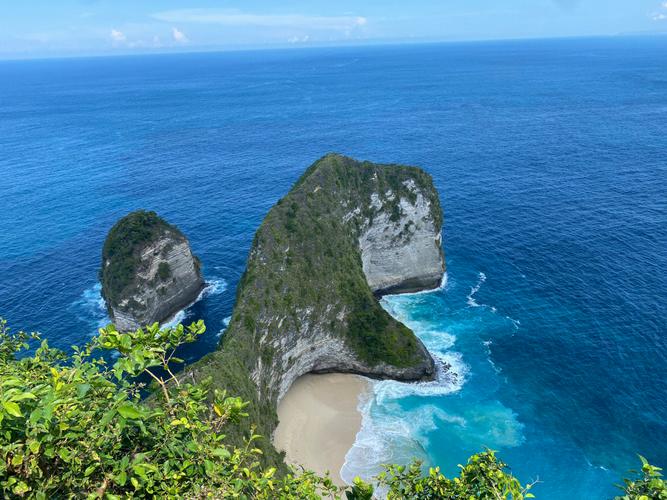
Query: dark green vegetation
x=164 y=271
x=306 y=257
x=122 y=248
x=76 y=427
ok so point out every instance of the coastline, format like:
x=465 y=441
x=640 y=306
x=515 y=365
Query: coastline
x=319 y=421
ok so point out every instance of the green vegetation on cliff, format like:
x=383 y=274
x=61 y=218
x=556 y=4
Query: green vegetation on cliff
x=120 y=254
x=305 y=263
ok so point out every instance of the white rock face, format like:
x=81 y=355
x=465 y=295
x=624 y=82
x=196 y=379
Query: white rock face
x=404 y=255
x=313 y=349
x=156 y=298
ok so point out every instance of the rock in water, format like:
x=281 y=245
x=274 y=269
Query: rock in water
x=307 y=302
x=148 y=271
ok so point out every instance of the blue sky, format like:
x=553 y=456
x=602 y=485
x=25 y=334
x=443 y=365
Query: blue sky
x=38 y=28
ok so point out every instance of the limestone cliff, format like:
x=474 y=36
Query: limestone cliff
x=403 y=252
x=148 y=271
x=346 y=232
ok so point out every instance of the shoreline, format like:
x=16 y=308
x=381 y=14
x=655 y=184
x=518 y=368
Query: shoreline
x=319 y=420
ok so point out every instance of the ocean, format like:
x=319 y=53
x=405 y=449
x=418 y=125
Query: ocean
x=550 y=159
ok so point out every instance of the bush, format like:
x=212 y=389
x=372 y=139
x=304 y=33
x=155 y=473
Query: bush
x=648 y=486
x=73 y=426
x=78 y=426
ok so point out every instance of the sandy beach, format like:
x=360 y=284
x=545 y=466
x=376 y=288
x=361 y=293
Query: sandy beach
x=319 y=421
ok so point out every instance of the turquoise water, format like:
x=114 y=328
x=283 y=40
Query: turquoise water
x=550 y=160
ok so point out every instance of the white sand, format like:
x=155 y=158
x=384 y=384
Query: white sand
x=319 y=421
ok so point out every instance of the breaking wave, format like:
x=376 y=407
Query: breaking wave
x=91 y=309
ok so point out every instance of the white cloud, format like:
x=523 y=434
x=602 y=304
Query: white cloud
x=118 y=36
x=228 y=17
x=660 y=16
x=299 y=39
x=179 y=36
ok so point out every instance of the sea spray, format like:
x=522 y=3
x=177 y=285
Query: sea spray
x=91 y=309
x=434 y=421
x=214 y=286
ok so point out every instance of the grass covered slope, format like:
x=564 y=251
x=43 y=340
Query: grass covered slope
x=303 y=304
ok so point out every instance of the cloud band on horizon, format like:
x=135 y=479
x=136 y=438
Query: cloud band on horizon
x=229 y=17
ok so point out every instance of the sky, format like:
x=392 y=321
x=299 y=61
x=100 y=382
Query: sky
x=43 y=28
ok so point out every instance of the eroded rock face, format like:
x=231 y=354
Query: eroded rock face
x=316 y=350
x=148 y=271
x=403 y=253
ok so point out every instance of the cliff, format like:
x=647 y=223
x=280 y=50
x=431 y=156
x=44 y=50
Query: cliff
x=346 y=232
x=148 y=271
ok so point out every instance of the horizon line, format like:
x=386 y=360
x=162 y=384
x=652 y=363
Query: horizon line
x=317 y=45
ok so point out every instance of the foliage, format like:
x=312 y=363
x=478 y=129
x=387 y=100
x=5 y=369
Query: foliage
x=76 y=426
x=120 y=254
x=73 y=426
x=483 y=477
x=648 y=486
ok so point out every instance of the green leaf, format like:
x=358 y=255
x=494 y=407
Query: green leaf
x=12 y=408
x=129 y=411
x=21 y=488
x=82 y=390
x=33 y=446
x=221 y=453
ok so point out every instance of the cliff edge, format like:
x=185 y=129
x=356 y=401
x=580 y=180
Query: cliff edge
x=148 y=271
x=346 y=232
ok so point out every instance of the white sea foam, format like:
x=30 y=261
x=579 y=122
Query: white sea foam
x=389 y=432
x=214 y=286
x=398 y=419
x=473 y=290
x=90 y=307
x=450 y=376
x=473 y=303
x=225 y=324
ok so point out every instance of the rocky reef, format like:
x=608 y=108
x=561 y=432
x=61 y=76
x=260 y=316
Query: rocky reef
x=148 y=271
x=346 y=232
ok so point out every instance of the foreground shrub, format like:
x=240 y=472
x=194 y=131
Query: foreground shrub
x=80 y=426
x=648 y=486
x=74 y=426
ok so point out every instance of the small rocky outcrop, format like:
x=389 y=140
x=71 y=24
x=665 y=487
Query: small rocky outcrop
x=148 y=271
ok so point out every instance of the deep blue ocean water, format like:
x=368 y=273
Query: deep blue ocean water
x=550 y=158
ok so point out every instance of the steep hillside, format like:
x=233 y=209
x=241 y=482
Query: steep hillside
x=307 y=302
